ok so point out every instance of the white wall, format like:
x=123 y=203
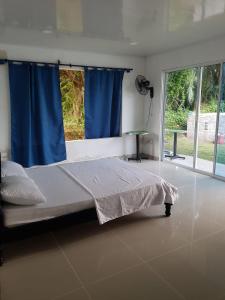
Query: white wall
x=204 y=53
x=132 y=107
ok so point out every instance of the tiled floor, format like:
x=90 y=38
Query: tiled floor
x=143 y=256
x=201 y=164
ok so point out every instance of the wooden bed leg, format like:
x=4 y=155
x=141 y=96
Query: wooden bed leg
x=1 y=236
x=1 y=255
x=168 y=209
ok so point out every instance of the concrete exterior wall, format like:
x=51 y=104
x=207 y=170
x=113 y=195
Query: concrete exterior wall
x=207 y=126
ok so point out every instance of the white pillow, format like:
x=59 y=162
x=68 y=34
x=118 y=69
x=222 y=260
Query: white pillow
x=10 y=168
x=21 y=191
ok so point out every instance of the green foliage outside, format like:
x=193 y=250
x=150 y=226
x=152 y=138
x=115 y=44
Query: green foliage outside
x=176 y=119
x=181 y=99
x=209 y=107
x=72 y=90
x=220 y=157
x=182 y=93
x=181 y=89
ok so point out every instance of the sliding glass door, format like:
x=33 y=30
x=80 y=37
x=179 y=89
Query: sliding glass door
x=194 y=118
x=179 y=117
x=207 y=117
x=220 y=151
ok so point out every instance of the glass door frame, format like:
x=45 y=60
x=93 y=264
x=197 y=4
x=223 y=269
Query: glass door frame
x=197 y=111
x=200 y=68
x=217 y=122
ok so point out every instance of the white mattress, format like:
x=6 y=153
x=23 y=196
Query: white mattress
x=113 y=186
x=63 y=196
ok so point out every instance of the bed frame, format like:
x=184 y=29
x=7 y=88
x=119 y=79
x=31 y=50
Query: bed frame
x=33 y=228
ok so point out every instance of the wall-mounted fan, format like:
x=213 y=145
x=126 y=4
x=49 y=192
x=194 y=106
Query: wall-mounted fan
x=143 y=86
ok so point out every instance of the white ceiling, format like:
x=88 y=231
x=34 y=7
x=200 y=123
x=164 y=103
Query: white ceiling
x=139 y=27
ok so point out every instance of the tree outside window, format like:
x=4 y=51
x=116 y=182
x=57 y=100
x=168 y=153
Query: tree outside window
x=72 y=91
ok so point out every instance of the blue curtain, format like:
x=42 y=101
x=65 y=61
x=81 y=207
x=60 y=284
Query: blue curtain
x=37 y=134
x=103 y=103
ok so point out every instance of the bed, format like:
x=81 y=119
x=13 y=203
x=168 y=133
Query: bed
x=113 y=187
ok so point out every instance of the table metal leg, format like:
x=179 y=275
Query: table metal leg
x=175 y=144
x=138 y=156
x=138 y=147
x=174 y=155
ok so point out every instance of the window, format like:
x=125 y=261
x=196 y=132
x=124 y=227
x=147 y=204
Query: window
x=72 y=90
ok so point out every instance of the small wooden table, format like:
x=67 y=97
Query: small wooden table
x=137 y=133
x=175 y=132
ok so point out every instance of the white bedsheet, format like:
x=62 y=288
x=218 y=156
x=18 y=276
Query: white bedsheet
x=119 y=188
x=116 y=188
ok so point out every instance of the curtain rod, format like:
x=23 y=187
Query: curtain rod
x=62 y=64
